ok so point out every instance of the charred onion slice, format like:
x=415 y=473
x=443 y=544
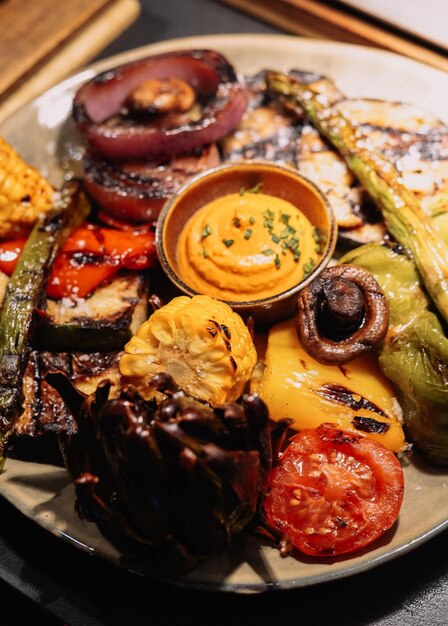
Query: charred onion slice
x=98 y=105
x=135 y=191
x=341 y=314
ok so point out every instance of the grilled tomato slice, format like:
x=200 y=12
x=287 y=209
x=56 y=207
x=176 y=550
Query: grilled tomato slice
x=333 y=491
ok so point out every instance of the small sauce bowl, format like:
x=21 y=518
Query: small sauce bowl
x=277 y=180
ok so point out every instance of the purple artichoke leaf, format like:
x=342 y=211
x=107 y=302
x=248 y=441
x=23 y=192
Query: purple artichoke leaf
x=72 y=397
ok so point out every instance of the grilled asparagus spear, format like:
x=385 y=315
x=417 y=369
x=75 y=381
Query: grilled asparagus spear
x=23 y=295
x=403 y=215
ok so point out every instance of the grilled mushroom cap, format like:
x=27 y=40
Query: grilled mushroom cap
x=341 y=314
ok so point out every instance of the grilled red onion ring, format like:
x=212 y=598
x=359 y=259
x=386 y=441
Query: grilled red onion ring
x=135 y=191
x=98 y=104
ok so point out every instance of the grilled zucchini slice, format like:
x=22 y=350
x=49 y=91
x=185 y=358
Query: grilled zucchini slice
x=104 y=322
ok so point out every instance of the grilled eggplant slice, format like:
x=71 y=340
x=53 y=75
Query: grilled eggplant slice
x=415 y=140
x=408 y=136
x=104 y=322
x=266 y=131
x=403 y=215
x=45 y=413
x=327 y=169
x=270 y=131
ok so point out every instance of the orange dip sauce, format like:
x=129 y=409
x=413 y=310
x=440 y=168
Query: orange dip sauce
x=247 y=246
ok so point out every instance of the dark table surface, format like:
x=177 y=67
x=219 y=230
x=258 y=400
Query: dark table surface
x=42 y=578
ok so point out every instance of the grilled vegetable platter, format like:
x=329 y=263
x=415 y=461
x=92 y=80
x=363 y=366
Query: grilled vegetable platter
x=169 y=434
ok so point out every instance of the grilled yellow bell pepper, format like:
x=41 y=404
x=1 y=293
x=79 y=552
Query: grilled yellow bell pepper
x=355 y=396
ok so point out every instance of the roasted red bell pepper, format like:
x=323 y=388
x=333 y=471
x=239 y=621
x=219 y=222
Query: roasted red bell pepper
x=9 y=254
x=69 y=280
x=90 y=255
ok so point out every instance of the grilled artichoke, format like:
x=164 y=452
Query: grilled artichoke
x=178 y=476
x=200 y=342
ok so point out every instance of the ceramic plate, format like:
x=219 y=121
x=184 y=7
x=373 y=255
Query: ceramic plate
x=43 y=134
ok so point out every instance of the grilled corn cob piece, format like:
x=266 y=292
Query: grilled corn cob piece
x=24 y=194
x=200 y=342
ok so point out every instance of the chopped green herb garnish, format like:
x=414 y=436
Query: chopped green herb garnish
x=236 y=222
x=257 y=187
x=268 y=221
x=308 y=267
x=252 y=220
x=206 y=231
x=291 y=243
x=277 y=261
x=268 y=214
x=248 y=233
x=204 y=253
x=254 y=189
x=284 y=217
x=268 y=251
x=275 y=238
x=320 y=237
x=228 y=242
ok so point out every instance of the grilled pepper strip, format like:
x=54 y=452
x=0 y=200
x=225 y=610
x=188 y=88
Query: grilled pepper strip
x=402 y=213
x=414 y=354
x=22 y=297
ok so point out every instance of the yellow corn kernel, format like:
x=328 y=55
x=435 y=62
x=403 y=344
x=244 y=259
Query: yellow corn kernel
x=24 y=194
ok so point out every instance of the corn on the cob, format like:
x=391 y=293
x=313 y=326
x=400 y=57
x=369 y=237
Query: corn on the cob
x=200 y=342
x=24 y=194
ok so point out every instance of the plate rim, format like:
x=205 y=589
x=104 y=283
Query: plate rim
x=73 y=81
x=109 y=62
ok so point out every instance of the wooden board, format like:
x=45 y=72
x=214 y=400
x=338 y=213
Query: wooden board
x=333 y=21
x=427 y=20
x=44 y=41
